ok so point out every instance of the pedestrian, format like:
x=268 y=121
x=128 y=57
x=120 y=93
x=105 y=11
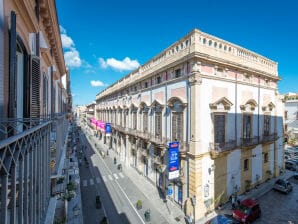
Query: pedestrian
x=233 y=201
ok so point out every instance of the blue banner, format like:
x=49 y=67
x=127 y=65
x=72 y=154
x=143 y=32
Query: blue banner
x=173 y=156
x=108 y=129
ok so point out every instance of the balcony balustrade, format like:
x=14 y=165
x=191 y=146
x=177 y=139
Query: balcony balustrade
x=222 y=147
x=269 y=137
x=246 y=142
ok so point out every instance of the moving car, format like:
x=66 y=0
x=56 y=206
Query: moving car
x=248 y=211
x=222 y=219
x=283 y=186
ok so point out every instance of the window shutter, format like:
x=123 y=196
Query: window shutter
x=35 y=86
x=12 y=65
x=179 y=128
x=174 y=126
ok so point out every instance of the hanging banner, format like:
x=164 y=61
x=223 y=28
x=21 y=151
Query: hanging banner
x=173 y=164
x=108 y=129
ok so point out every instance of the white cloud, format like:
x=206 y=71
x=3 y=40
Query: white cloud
x=67 y=42
x=97 y=83
x=62 y=30
x=125 y=64
x=71 y=55
x=72 y=58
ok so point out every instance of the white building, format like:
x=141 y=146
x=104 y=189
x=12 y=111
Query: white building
x=219 y=100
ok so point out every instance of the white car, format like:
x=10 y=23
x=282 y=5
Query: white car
x=283 y=186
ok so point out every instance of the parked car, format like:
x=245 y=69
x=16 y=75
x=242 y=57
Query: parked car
x=296 y=175
x=248 y=211
x=290 y=165
x=222 y=219
x=283 y=186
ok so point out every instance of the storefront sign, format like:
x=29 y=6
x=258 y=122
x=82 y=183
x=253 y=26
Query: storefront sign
x=173 y=165
x=108 y=129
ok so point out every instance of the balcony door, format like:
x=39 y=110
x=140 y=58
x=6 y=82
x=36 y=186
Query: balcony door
x=219 y=128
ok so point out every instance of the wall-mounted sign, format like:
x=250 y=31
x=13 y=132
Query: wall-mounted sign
x=173 y=161
x=108 y=129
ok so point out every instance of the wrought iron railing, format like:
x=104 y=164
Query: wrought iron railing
x=221 y=147
x=269 y=137
x=250 y=141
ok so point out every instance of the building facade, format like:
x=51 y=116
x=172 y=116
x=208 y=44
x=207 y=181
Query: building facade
x=291 y=118
x=32 y=106
x=218 y=100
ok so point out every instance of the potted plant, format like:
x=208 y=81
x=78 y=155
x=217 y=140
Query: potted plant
x=139 y=204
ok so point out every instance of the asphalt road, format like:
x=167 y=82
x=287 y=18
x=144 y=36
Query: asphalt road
x=103 y=178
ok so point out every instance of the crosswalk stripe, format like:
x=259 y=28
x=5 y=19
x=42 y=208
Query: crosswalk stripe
x=110 y=177
x=98 y=180
x=91 y=181
x=84 y=183
x=115 y=175
x=121 y=175
x=104 y=178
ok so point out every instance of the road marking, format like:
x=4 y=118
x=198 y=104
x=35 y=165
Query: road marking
x=115 y=175
x=104 y=178
x=121 y=175
x=84 y=183
x=110 y=177
x=98 y=180
x=91 y=181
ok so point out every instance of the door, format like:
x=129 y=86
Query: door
x=20 y=90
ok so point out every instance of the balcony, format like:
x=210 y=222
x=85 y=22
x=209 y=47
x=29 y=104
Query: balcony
x=269 y=137
x=25 y=161
x=143 y=134
x=217 y=148
x=248 y=142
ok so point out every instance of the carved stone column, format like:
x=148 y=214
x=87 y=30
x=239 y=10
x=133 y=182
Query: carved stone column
x=127 y=150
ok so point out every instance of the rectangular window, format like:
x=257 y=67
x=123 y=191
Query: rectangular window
x=120 y=117
x=177 y=73
x=177 y=126
x=219 y=128
x=245 y=165
x=134 y=120
x=146 y=84
x=267 y=119
x=158 y=125
x=158 y=80
x=145 y=121
x=265 y=157
x=247 y=126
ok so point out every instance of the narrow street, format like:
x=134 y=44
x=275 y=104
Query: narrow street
x=118 y=193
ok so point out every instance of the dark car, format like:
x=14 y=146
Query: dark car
x=283 y=186
x=248 y=211
x=296 y=175
x=222 y=219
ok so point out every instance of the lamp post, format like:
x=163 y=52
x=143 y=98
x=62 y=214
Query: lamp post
x=194 y=202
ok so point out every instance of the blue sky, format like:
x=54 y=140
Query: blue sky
x=104 y=40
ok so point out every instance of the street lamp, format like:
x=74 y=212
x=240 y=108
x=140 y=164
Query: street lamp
x=194 y=202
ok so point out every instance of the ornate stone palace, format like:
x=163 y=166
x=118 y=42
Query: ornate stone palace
x=219 y=100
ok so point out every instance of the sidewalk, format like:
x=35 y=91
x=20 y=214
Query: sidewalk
x=171 y=212
x=255 y=193
x=74 y=206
